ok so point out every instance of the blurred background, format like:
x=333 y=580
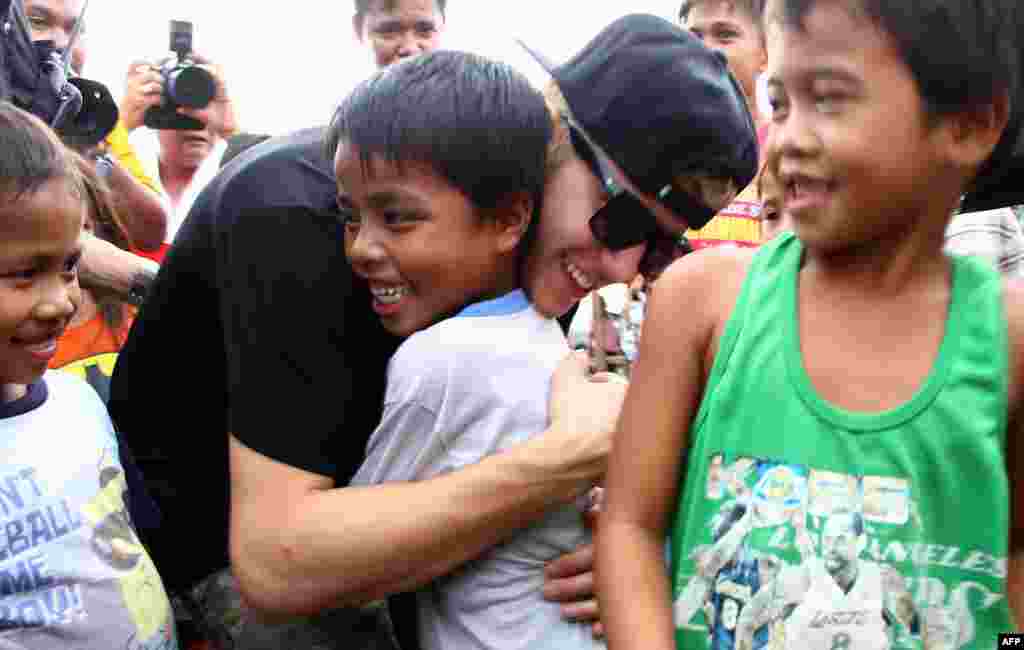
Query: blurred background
x=288 y=65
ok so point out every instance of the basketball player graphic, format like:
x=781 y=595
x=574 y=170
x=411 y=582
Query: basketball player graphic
x=836 y=602
x=728 y=571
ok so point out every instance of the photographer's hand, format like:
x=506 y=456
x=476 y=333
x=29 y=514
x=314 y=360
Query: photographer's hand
x=143 y=88
x=220 y=115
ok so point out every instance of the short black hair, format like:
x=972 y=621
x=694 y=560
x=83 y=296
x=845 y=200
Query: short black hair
x=753 y=8
x=478 y=123
x=31 y=155
x=363 y=6
x=961 y=53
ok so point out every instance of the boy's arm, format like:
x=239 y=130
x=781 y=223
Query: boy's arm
x=1014 y=301
x=107 y=268
x=649 y=441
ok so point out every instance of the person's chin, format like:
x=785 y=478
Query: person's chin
x=397 y=326
x=553 y=303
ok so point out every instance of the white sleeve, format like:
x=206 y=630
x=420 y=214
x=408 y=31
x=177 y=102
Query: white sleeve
x=406 y=445
x=403 y=447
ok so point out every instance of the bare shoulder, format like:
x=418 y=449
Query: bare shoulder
x=711 y=275
x=700 y=291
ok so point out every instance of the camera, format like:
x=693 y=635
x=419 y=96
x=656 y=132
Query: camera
x=86 y=112
x=185 y=84
x=36 y=77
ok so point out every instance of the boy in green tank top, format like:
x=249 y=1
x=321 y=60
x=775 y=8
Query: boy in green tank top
x=829 y=436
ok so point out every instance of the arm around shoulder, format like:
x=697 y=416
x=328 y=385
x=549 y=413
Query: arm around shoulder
x=300 y=545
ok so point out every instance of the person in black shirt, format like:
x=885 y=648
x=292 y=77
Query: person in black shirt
x=256 y=327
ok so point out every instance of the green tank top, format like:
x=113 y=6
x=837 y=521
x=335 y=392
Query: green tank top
x=803 y=526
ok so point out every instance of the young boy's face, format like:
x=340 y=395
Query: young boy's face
x=420 y=242
x=398 y=29
x=855 y=155
x=38 y=278
x=729 y=29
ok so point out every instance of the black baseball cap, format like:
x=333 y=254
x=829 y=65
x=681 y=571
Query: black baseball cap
x=665 y=108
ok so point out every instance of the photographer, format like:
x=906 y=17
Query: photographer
x=181 y=161
x=135 y=197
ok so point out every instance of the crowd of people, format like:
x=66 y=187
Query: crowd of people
x=624 y=361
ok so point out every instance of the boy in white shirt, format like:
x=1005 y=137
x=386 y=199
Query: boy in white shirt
x=72 y=571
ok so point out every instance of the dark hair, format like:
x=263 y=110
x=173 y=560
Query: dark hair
x=961 y=53
x=106 y=225
x=753 y=8
x=478 y=123
x=31 y=155
x=363 y=6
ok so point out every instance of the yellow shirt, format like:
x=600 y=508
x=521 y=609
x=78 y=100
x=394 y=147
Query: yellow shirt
x=738 y=224
x=121 y=149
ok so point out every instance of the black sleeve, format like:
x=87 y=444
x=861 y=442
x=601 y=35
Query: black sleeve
x=168 y=402
x=285 y=286
x=565 y=320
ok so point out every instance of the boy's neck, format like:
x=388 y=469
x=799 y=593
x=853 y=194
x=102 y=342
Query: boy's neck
x=505 y=280
x=12 y=392
x=885 y=267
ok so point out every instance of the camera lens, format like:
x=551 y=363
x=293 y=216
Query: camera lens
x=191 y=86
x=97 y=117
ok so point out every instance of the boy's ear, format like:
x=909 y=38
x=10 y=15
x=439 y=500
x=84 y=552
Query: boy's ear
x=511 y=219
x=975 y=131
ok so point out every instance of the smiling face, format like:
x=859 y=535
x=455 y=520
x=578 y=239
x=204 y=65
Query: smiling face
x=841 y=545
x=38 y=278
x=420 y=243
x=565 y=262
x=856 y=157
x=398 y=29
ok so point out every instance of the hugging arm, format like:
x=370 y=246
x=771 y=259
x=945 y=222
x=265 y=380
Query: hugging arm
x=300 y=544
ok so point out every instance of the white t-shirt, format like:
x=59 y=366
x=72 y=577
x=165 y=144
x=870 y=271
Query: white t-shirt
x=147 y=146
x=72 y=571
x=465 y=388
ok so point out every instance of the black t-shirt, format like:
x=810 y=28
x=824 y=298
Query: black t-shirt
x=256 y=326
